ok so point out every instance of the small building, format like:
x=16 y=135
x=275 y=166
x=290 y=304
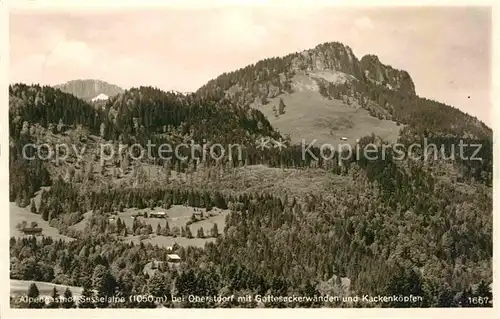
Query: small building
x=173 y=258
x=157 y=215
x=32 y=230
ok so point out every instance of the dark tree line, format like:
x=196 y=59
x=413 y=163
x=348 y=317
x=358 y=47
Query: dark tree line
x=46 y=105
x=420 y=114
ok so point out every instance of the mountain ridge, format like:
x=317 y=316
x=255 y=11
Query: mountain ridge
x=326 y=56
x=334 y=71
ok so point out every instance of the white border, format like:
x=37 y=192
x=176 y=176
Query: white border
x=80 y=5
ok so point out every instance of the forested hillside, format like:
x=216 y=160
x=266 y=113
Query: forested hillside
x=297 y=224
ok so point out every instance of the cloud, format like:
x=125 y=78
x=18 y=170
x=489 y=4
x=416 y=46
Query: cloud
x=27 y=69
x=70 y=53
x=363 y=23
x=237 y=28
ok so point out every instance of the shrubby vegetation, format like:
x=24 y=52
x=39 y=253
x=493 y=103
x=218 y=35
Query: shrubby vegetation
x=280 y=246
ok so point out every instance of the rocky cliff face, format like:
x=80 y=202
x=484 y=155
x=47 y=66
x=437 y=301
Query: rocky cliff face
x=269 y=78
x=385 y=75
x=333 y=56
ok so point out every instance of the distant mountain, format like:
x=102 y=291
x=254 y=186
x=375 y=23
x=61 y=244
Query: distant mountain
x=90 y=90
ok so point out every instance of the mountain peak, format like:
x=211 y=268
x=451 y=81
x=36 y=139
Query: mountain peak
x=274 y=75
x=386 y=75
x=339 y=57
x=319 y=86
x=333 y=56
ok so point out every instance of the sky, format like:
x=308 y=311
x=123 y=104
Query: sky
x=447 y=51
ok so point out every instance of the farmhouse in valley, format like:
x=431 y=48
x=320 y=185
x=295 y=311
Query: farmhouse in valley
x=157 y=214
x=32 y=230
x=173 y=258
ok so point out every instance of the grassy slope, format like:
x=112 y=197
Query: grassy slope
x=18 y=214
x=178 y=216
x=279 y=182
x=309 y=116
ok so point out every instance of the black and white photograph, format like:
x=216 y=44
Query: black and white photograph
x=249 y=156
